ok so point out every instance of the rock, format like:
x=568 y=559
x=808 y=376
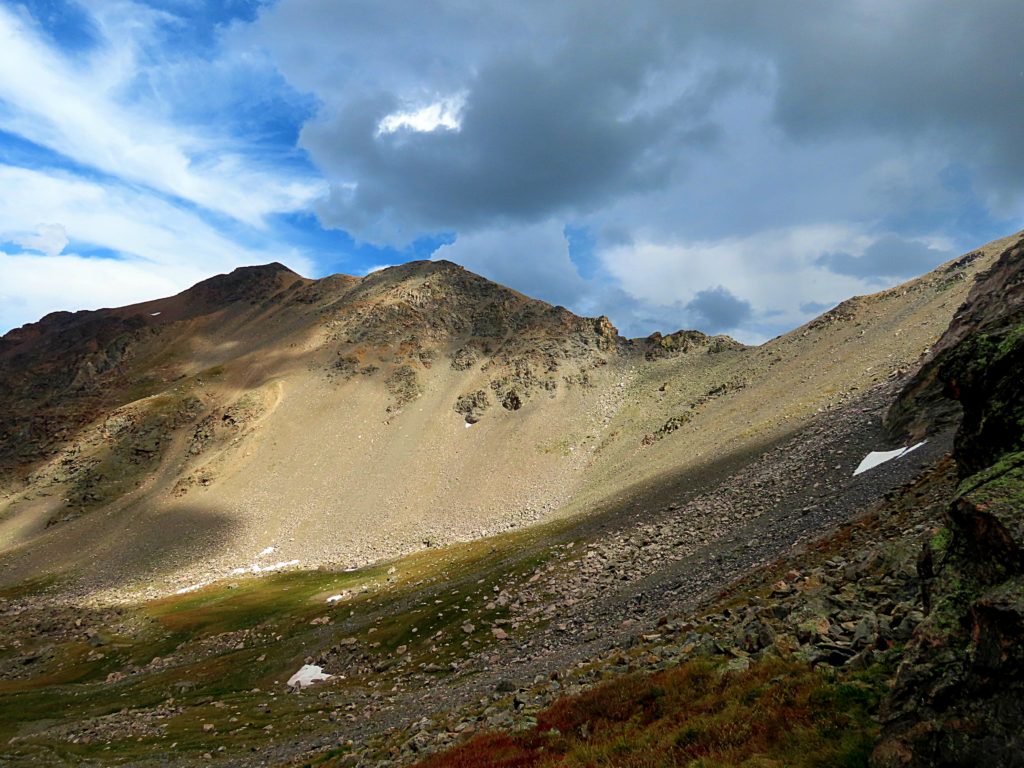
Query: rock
x=866 y=632
x=733 y=666
x=473 y=405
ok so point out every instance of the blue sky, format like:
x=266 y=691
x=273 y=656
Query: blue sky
x=725 y=166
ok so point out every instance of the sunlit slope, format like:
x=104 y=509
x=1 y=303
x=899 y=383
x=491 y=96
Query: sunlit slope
x=348 y=419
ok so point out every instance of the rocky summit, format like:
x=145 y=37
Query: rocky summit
x=419 y=518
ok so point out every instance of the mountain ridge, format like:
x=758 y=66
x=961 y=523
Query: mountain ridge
x=279 y=408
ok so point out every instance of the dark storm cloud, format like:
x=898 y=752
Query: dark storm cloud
x=575 y=106
x=886 y=258
x=717 y=309
x=534 y=140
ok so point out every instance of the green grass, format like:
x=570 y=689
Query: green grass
x=422 y=605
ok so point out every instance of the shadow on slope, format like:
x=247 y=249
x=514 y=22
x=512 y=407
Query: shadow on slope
x=123 y=549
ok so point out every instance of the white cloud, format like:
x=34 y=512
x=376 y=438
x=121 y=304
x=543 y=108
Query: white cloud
x=375 y=268
x=49 y=239
x=35 y=285
x=445 y=114
x=161 y=248
x=78 y=110
x=773 y=270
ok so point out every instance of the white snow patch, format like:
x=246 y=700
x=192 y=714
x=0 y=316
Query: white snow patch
x=875 y=458
x=153 y=314
x=309 y=674
x=468 y=425
x=265 y=552
x=254 y=568
x=336 y=598
x=193 y=588
x=266 y=568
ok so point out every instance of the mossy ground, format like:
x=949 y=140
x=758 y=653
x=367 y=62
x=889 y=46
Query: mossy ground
x=233 y=645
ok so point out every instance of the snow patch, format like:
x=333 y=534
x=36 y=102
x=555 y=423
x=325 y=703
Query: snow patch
x=468 y=425
x=336 y=598
x=875 y=458
x=153 y=314
x=309 y=674
x=193 y=588
x=265 y=568
x=254 y=568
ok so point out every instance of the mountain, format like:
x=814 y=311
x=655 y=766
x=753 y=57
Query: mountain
x=675 y=549
x=344 y=420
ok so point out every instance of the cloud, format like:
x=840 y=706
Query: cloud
x=150 y=247
x=80 y=110
x=814 y=307
x=569 y=109
x=774 y=271
x=49 y=239
x=530 y=143
x=374 y=268
x=888 y=257
x=34 y=285
x=531 y=259
x=535 y=112
x=696 y=156
x=717 y=309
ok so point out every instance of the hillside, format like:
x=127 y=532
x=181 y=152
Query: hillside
x=706 y=578
x=345 y=420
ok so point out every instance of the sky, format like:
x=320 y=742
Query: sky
x=732 y=166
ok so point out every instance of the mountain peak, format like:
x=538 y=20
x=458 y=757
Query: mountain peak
x=245 y=284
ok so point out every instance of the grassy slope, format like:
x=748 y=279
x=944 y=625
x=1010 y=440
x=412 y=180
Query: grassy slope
x=228 y=649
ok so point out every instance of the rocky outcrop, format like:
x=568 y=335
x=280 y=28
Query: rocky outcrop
x=658 y=346
x=959 y=693
x=246 y=284
x=959 y=365
x=53 y=377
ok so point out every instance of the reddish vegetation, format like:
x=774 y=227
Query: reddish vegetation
x=494 y=750
x=776 y=713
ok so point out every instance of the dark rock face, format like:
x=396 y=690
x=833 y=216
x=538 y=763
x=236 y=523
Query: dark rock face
x=244 y=284
x=968 y=363
x=52 y=374
x=983 y=374
x=959 y=694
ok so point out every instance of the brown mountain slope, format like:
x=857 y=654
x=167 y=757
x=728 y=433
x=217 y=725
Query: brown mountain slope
x=344 y=419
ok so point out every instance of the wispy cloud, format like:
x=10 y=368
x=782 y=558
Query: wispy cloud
x=84 y=110
x=152 y=247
